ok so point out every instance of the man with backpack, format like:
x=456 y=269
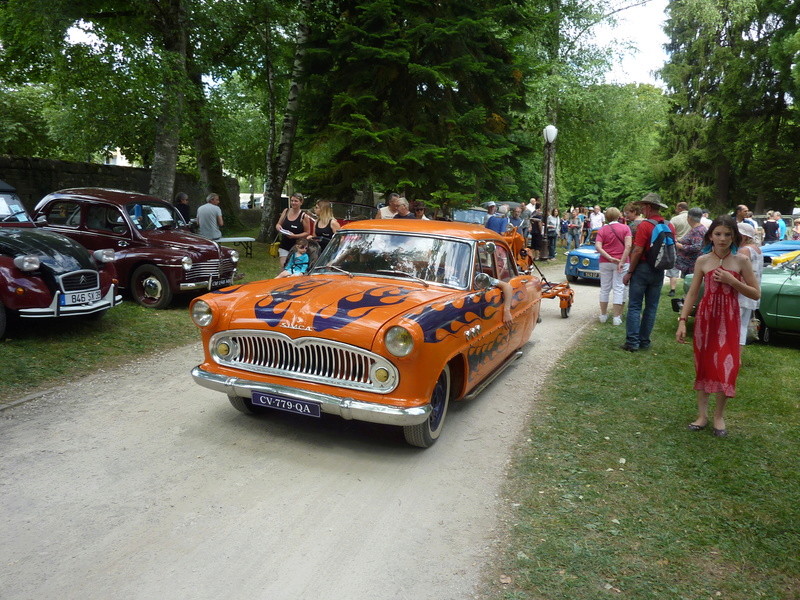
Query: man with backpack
x=653 y=252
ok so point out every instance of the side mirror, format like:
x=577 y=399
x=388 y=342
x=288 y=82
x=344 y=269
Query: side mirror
x=41 y=220
x=482 y=281
x=488 y=247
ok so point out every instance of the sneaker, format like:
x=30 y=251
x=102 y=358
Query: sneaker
x=603 y=318
x=617 y=321
x=671 y=293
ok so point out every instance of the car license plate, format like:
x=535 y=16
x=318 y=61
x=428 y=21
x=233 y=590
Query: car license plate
x=589 y=275
x=72 y=298
x=300 y=407
x=221 y=283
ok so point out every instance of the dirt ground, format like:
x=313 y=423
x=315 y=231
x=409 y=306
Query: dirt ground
x=136 y=483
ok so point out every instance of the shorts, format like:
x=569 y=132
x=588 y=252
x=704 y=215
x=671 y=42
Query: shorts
x=672 y=273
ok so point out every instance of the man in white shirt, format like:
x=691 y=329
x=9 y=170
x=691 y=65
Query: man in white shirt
x=596 y=218
x=390 y=210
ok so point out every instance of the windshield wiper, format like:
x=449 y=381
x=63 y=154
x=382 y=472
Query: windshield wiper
x=334 y=268
x=12 y=215
x=403 y=274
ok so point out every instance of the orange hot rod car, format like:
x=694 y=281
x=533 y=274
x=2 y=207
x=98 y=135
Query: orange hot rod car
x=396 y=319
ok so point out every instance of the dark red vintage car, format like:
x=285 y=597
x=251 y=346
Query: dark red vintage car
x=157 y=256
x=44 y=274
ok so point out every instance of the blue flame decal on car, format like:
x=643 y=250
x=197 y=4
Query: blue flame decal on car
x=267 y=309
x=355 y=306
x=439 y=321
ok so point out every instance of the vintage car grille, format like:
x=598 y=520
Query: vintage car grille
x=211 y=268
x=305 y=359
x=79 y=281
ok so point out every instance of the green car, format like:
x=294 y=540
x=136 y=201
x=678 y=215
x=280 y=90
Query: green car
x=780 y=299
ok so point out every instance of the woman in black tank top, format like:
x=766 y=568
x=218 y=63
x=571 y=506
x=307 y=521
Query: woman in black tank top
x=295 y=221
x=326 y=225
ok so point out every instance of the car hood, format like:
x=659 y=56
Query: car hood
x=181 y=240
x=56 y=252
x=589 y=251
x=334 y=306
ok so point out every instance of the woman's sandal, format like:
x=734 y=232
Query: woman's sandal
x=693 y=427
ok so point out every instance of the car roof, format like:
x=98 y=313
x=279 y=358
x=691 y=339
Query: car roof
x=118 y=197
x=7 y=187
x=466 y=231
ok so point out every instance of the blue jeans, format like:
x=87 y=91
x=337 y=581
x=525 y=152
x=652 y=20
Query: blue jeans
x=573 y=239
x=551 y=243
x=644 y=286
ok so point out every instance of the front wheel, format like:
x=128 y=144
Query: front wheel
x=572 y=278
x=150 y=288
x=425 y=434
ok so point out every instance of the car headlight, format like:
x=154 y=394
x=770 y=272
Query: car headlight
x=573 y=260
x=399 y=341
x=186 y=263
x=202 y=314
x=585 y=262
x=235 y=256
x=225 y=349
x=28 y=262
x=104 y=256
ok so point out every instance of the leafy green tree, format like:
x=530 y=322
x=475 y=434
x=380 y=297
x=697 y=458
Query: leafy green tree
x=23 y=127
x=413 y=96
x=732 y=77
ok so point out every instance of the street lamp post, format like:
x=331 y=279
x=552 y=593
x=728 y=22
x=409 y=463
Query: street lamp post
x=549 y=133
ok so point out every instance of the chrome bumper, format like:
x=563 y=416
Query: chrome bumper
x=206 y=284
x=55 y=310
x=347 y=408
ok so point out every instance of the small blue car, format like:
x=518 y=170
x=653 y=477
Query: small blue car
x=583 y=261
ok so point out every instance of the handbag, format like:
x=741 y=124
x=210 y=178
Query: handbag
x=273 y=247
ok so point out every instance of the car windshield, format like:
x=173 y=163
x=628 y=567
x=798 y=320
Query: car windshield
x=470 y=215
x=11 y=209
x=430 y=259
x=153 y=216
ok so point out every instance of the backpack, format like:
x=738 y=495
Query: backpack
x=661 y=254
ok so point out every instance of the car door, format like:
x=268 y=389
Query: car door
x=787 y=307
x=492 y=342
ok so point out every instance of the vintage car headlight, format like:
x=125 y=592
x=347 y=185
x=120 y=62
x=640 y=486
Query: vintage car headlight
x=235 y=256
x=202 y=313
x=573 y=260
x=225 y=349
x=28 y=262
x=186 y=263
x=585 y=262
x=399 y=341
x=104 y=256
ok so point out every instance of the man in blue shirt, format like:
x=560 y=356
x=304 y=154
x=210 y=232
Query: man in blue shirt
x=499 y=221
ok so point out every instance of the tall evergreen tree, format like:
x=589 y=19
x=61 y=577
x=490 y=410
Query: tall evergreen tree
x=414 y=96
x=734 y=134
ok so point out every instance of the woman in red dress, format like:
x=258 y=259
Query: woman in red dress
x=725 y=274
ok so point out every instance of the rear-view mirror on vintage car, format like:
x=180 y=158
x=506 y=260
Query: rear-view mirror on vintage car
x=482 y=281
x=488 y=247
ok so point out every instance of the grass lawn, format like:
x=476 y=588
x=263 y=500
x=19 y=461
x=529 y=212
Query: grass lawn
x=613 y=497
x=38 y=354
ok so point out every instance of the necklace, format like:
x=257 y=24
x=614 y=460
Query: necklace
x=721 y=258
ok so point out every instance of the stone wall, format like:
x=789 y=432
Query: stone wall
x=34 y=178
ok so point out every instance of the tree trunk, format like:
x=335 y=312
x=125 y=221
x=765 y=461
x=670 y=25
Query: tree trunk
x=172 y=27
x=278 y=165
x=208 y=162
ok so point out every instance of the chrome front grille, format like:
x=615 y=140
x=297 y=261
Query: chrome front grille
x=211 y=268
x=306 y=359
x=79 y=281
